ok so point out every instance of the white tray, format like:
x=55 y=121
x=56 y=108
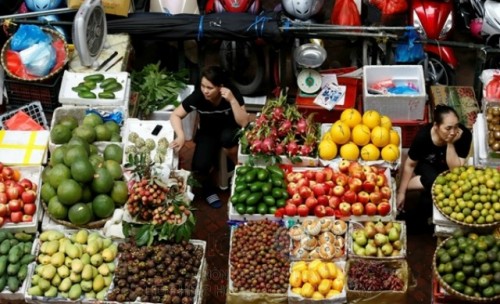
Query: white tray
x=69 y=97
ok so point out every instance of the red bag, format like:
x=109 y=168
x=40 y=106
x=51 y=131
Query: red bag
x=345 y=12
x=389 y=7
x=22 y=122
x=492 y=89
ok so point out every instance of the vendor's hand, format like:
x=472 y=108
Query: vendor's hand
x=400 y=201
x=453 y=138
x=226 y=94
x=177 y=144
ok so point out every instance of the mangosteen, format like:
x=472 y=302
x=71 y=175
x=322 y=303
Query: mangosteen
x=167 y=299
x=132 y=296
x=121 y=298
x=122 y=283
x=176 y=300
x=151 y=272
x=156 y=299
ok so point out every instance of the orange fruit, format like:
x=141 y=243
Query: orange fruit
x=385 y=122
x=390 y=153
x=380 y=136
x=340 y=132
x=371 y=118
x=370 y=152
x=349 y=151
x=394 y=137
x=360 y=135
x=351 y=117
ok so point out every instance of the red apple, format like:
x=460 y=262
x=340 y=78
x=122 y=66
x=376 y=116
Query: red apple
x=320 y=176
x=27 y=218
x=328 y=173
x=26 y=184
x=322 y=200
x=386 y=192
x=368 y=186
x=15 y=205
x=329 y=185
x=309 y=174
x=334 y=202
x=12 y=193
x=7 y=173
x=338 y=190
x=383 y=208
x=305 y=192
x=381 y=180
x=371 y=177
x=363 y=197
x=291 y=210
x=350 y=196
x=341 y=179
x=344 y=166
x=312 y=183
x=355 y=167
x=311 y=202
x=357 y=209
x=28 y=197
x=329 y=211
x=2 y=187
x=29 y=209
x=302 y=182
x=345 y=209
x=367 y=169
x=4 y=210
x=320 y=211
x=296 y=199
x=292 y=188
x=16 y=216
x=358 y=174
x=20 y=188
x=1 y=166
x=355 y=184
x=375 y=197
x=280 y=212
x=318 y=190
x=303 y=210
x=370 y=209
x=3 y=198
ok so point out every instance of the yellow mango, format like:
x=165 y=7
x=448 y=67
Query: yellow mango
x=313 y=265
x=295 y=278
x=304 y=276
x=324 y=272
x=317 y=296
x=297 y=290
x=307 y=290
x=332 y=269
x=338 y=284
x=314 y=278
x=332 y=293
x=299 y=266
x=324 y=286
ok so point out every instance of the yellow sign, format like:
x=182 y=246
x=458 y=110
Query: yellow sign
x=23 y=147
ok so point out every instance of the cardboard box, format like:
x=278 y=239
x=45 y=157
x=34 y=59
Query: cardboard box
x=462 y=99
x=113 y=7
x=397 y=107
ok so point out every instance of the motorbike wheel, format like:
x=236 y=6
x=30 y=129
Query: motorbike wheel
x=245 y=64
x=437 y=72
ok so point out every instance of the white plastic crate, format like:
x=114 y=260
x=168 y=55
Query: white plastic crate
x=397 y=107
x=305 y=161
x=34 y=110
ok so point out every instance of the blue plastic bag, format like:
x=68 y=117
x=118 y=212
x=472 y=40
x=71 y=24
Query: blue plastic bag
x=27 y=36
x=39 y=59
x=409 y=51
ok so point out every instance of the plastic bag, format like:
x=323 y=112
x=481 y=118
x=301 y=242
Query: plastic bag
x=39 y=58
x=491 y=84
x=22 y=122
x=409 y=51
x=27 y=36
x=389 y=7
x=345 y=12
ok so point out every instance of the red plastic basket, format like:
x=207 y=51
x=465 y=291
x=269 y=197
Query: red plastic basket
x=410 y=128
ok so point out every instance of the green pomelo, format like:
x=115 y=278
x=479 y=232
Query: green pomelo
x=114 y=168
x=69 y=192
x=82 y=170
x=78 y=141
x=92 y=119
x=57 y=209
x=58 y=174
x=112 y=126
x=45 y=174
x=73 y=154
x=92 y=215
x=47 y=192
x=69 y=121
x=93 y=150
x=96 y=160
x=86 y=132
x=60 y=134
x=102 y=133
x=113 y=151
x=116 y=138
x=57 y=156
x=79 y=214
x=87 y=195
x=103 y=206
x=102 y=182
x=119 y=193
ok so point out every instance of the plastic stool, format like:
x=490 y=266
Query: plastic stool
x=223 y=174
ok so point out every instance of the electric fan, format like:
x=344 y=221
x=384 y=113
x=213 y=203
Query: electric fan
x=89 y=31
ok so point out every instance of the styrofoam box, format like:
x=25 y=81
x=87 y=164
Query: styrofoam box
x=69 y=97
x=79 y=113
x=393 y=166
x=338 y=298
x=19 y=295
x=188 y=123
x=144 y=129
x=400 y=107
x=305 y=161
x=34 y=174
x=353 y=226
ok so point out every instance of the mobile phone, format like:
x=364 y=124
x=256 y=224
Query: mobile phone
x=157 y=130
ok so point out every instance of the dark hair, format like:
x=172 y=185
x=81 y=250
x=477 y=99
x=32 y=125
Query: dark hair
x=442 y=110
x=214 y=74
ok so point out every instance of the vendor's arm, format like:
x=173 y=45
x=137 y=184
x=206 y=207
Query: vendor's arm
x=176 y=120
x=458 y=148
x=238 y=107
x=408 y=169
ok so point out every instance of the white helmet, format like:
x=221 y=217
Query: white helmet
x=302 y=9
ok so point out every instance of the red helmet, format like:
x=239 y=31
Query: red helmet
x=235 y=6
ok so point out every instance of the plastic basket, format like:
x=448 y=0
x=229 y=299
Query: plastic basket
x=34 y=110
x=20 y=92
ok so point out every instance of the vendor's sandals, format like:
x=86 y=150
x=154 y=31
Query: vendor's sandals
x=214 y=201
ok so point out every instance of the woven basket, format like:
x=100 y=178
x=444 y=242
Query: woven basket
x=481 y=227
x=55 y=35
x=91 y=225
x=453 y=292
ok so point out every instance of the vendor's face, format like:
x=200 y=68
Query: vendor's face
x=449 y=127
x=209 y=90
